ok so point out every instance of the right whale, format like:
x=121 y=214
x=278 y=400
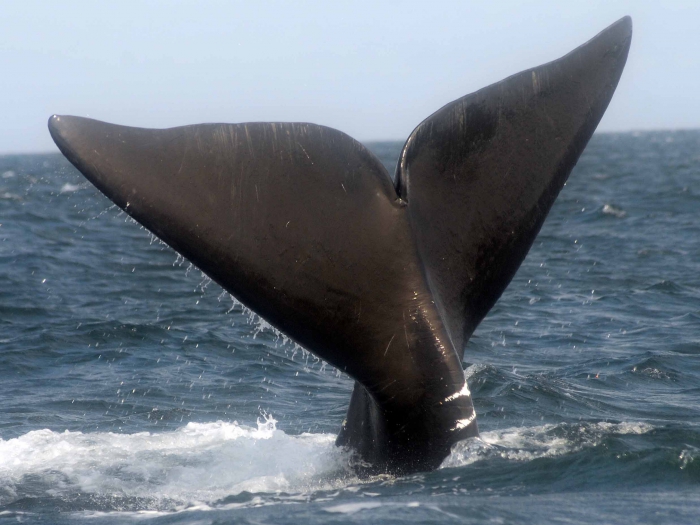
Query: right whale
x=385 y=280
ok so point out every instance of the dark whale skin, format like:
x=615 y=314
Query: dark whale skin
x=385 y=281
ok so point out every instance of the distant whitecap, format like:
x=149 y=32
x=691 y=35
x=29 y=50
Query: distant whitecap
x=69 y=188
x=608 y=209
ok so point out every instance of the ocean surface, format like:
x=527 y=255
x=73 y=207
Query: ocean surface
x=132 y=389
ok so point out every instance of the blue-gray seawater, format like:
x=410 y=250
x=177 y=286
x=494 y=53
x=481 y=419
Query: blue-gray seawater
x=133 y=390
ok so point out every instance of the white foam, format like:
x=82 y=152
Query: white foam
x=528 y=443
x=199 y=463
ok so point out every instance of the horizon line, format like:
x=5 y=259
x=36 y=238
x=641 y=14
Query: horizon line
x=56 y=151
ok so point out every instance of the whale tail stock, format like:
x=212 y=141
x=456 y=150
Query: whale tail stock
x=386 y=281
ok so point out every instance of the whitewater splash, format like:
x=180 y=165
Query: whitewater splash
x=202 y=464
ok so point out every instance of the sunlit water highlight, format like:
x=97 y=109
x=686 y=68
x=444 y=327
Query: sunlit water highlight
x=133 y=389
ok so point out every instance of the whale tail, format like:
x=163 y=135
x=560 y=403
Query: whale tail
x=386 y=282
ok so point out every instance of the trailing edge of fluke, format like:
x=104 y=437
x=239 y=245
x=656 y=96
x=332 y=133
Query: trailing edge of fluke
x=385 y=281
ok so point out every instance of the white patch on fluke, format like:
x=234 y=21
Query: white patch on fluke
x=461 y=393
x=464 y=423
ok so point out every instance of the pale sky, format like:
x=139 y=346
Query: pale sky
x=372 y=69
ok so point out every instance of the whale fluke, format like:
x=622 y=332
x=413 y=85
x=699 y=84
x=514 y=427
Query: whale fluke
x=481 y=173
x=385 y=281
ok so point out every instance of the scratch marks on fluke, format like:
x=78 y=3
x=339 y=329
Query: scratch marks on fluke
x=387 y=346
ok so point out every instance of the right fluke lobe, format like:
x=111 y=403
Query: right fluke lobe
x=481 y=173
